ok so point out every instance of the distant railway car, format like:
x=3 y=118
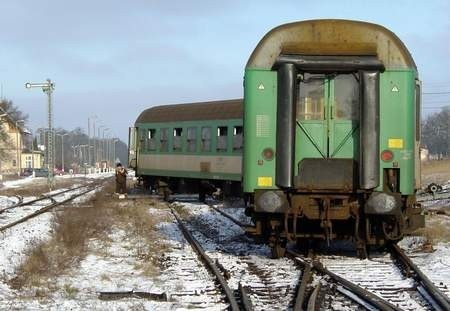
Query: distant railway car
x=193 y=147
x=331 y=111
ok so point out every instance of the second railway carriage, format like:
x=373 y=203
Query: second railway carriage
x=189 y=147
x=331 y=110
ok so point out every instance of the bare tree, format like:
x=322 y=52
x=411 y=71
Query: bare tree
x=14 y=113
x=11 y=114
x=436 y=133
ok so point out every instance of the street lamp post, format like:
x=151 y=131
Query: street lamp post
x=62 y=150
x=89 y=137
x=18 y=155
x=99 y=155
x=114 y=150
x=106 y=129
x=47 y=88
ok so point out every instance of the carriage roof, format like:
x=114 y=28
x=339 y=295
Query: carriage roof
x=332 y=37
x=213 y=110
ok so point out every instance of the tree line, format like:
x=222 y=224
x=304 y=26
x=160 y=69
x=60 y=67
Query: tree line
x=73 y=147
x=436 y=133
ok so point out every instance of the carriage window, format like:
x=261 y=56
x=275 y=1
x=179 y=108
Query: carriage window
x=310 y=99
x=151 y=139
x=346 y=97
x=177 y=133
x=237 y=138
x=222 y=136
x=206 y=139
x=164 y=135
x=192 y=139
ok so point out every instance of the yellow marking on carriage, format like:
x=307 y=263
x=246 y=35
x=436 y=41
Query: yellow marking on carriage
x=265 y=181
x=395 y=143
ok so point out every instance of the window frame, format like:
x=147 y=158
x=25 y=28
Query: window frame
x=203 y=139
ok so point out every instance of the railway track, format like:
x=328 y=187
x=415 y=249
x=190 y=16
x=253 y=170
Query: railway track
x=442 y=194
x=40 y=198
x=391 y=282
x=53 y=202
x=256 y=279
x=379 y=283
x=213 y=267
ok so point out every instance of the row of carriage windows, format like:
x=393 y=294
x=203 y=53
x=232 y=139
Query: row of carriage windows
x=222 y=142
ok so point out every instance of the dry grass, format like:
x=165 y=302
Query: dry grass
x=437 y=229
x=74 y=229
x=435 y=171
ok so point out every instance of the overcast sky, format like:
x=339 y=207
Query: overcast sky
x=114 y=58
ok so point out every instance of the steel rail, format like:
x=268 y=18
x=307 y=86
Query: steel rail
x=41 y=198
x=371 y=298
x=237 y=222
x=313 y=303
x=245 y=301
x=234 y=306
x=427 y=197
x=301 y=292
x=48 y=207
x=435 y=293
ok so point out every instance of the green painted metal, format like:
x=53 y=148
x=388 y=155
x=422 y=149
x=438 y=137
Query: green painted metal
x=144 y=127
x=189 y=174
x=260 y=110
x=397 y=121
x=328 y=136
x=143 y=147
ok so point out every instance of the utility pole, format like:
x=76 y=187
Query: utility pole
x=89 y=141
x=47 y=88
x=114 y=150
x=89 y=138
x=62 y=150
x=18 y=155
x=99 y=155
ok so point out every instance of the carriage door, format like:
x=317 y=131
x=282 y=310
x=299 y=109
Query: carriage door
x=328 y=117
x=132 y=147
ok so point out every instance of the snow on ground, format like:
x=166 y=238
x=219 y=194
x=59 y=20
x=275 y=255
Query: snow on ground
x=435 y=263
x=249 y=263
x=42 y=180
x=114 y=266
x=15 y=241
x=20 y=182
x=111 y=266
x=374 y=274
x=8 y=201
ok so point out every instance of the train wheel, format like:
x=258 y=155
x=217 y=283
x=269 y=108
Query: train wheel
x=393 y=228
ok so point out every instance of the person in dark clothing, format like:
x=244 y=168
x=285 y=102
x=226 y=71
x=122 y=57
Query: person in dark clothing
x=121 y=179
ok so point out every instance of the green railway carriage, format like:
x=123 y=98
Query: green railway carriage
x=189 y=147
x=331 y=121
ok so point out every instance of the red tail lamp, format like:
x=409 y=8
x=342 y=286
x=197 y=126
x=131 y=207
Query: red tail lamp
x=387 y=155
x=268 y=154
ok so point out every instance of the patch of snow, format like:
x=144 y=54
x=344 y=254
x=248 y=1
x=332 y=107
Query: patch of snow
x=15 y=241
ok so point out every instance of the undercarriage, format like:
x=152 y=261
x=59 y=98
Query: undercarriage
x=309 y=218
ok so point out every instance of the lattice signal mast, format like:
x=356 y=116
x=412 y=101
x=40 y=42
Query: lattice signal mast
x=47 y=88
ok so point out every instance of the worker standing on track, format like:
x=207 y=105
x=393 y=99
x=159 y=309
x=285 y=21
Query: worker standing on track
x=121 y=180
